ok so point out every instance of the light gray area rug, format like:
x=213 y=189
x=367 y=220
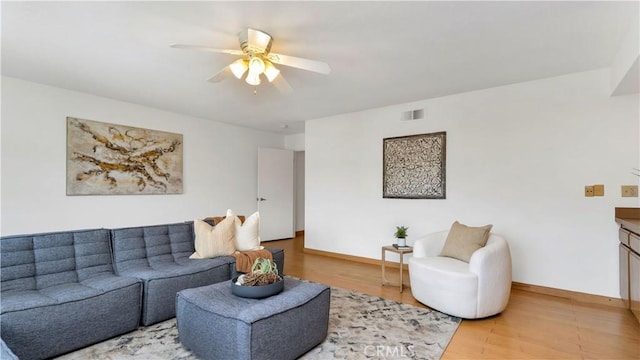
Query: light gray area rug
x=360 y=327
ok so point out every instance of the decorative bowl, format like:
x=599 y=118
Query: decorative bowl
x=256 y=292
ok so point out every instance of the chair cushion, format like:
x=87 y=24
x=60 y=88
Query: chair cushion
x=444 y=284
x=463 y=241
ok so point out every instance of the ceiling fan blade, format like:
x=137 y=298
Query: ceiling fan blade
x=206 y=48
x=221 y=75
x=281 y=84
x=300 y=63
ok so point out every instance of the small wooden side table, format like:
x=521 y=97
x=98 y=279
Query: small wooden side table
x=401 y=252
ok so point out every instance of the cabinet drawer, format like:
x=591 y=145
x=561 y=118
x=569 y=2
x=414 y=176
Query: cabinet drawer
x=623 y=236
x=624 y=274
x=634 y=242
x=634 y=284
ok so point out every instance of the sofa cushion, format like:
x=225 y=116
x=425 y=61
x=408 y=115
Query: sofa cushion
x=64 y=320
x=5 y=352
x=212 y=241
x=463 y=241
x=18 y=264
x=32 y=262
x=61 y=284
x=247 y=233
x=143 y=246
x=54 y=295
x=25 y=299
x=159 y=256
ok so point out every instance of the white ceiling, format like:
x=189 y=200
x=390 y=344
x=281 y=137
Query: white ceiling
x=381 y=53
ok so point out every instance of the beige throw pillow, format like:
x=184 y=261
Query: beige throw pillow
x=463 y=241
x=212 y=241
x=247 y=233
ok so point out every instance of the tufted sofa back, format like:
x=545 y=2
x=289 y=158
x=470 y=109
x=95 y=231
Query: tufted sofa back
x=34 y=262
x=151 y=246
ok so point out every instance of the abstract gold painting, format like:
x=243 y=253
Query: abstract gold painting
x=110 y=159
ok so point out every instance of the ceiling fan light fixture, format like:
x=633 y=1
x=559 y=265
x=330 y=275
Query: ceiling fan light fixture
x=270 y=71
x=253 y=78
x=260 y=38
x=256 y=65
x=257 y=59
x=239 y=67
x=255 y=41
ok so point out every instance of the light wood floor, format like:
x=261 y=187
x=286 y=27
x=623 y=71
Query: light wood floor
x=533 y=326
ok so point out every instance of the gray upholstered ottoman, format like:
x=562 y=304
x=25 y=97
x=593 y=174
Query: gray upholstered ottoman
x=215 y=324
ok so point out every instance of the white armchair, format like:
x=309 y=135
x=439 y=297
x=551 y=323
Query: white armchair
x=477 y=289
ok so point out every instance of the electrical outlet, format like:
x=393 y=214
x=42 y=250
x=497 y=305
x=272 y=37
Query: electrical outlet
x=588 y=191
x=598 y=190
x=629 y=190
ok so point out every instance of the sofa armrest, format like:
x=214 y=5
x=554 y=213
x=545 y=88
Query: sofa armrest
x=492 y=265
x=430 y=245
x=494 y=257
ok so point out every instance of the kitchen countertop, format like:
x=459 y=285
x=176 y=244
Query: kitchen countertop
x=629 y=218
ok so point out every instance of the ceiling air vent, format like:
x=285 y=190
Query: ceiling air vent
x=412 y=115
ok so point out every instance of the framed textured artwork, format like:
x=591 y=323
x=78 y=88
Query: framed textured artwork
x=110 y=159
x=413 y=167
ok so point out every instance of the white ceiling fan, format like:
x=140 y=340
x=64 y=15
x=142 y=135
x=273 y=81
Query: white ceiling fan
x=257 y=59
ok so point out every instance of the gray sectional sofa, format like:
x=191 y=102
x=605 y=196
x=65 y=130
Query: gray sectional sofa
x=66 y=290
x=59 y=292
x=159 y=256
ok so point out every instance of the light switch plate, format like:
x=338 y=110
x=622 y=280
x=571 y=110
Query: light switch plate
x=588 y=191
x=598 y=190
x=629 y=190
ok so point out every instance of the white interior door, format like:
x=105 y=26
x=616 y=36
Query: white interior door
x=275 y=193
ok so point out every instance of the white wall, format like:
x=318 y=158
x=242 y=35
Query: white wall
x=220 y=163
x=517 y=157
x=625 y=73
x=294 y=142
x=298 y=168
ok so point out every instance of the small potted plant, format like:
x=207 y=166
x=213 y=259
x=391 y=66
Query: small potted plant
x=263 y=280
x=263 y=272
x=401 y=235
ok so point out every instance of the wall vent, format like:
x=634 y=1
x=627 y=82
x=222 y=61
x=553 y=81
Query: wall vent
x=412 y=115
